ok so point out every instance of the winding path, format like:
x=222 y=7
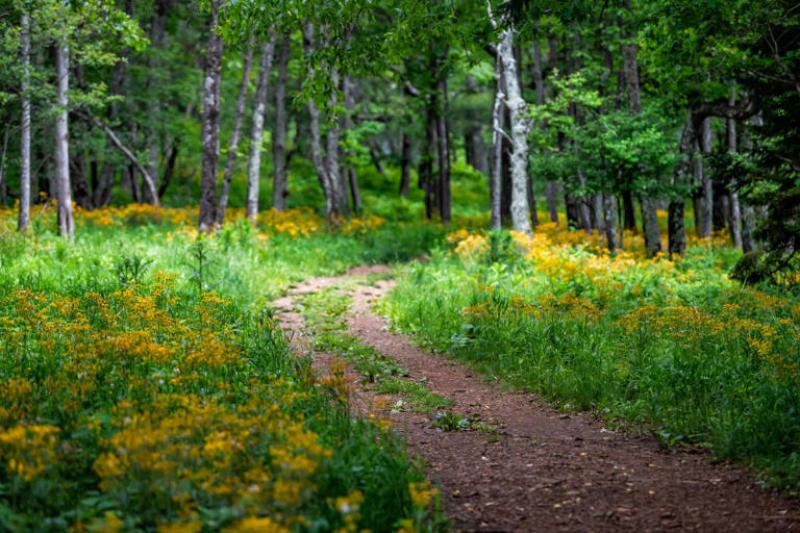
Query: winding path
x=543 y=470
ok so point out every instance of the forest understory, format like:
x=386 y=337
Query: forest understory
x=399 y=266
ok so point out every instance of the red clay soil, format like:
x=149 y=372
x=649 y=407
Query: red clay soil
x=546 y=471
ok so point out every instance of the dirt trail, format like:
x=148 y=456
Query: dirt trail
x=546 y=471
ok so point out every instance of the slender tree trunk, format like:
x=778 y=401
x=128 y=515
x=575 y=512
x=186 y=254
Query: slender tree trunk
x=332 y=164
x=735 y=208
x=426 y=177
x=3 y=187
x=628 y=211
x=80 y=185
x=550 y=187
x=66 y=224
x=211 y=88
x=609 y=208
x=443 y=138
x=257 y=132
x=405 y=165
x=169 y=170
x=25 y=134
x=706 y=199
x=520 y=127
x=551 y=190
x=497 y=144
x=233 y=145
x=279 y=162
x=317 y=156
x=157 y=39
x=652 y=233
x=677 y=205
x=348 y=88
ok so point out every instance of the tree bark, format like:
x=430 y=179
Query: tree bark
x=705 y=204
x=80 y=185
x=169 y=170
x=443 y=145
x=405 y=165
x=609 y=207
x=233 y=145
x=157 y=40
x=551 y=190
x=497 y=143
x=332 y=164
x=348 y=88
x=257 y=132
x=25 y=134
x=426 y=179
x=520 y=127
x=652 y=233
x=66 y=224
x=735 y=207
x=210 y=134
x=317 y=156
x=683 y=174
x=279 y=161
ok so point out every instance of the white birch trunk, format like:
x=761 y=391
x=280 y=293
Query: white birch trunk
x=25 y=148
x=520 y=127
x=233 y=145
x=497 y=145
x=66 y=224
x=257 y=133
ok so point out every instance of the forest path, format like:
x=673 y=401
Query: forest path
x=524 y=466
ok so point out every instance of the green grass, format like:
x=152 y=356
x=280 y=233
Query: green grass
x=675 y=349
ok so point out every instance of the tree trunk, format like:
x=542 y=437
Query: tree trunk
x=3 y=187
x=735 y=208
x=348 y=88
x=157 y=40
x=683 y=174
x=677 y=227
x=652 y=233
x=233 y=145
x=405 y=165
x=317 y=157
x=80 y=185
x=550 y=187
x=25 y=134
x=520 y=127
x=497 y=152
x=609 y=206
x=443 y=145
x=573 y=211
x=706 y=199
x=628 y=211
x=211 y=88
x=426 y=179
x=332 y=164
x=551 y=190
x=169 y=171
x=257 y=132
x=280 y=190
x=66 y=224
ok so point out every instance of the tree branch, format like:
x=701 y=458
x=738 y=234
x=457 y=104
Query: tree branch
x=148 y=179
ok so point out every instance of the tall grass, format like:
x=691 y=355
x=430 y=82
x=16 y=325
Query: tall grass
x=674 y=348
